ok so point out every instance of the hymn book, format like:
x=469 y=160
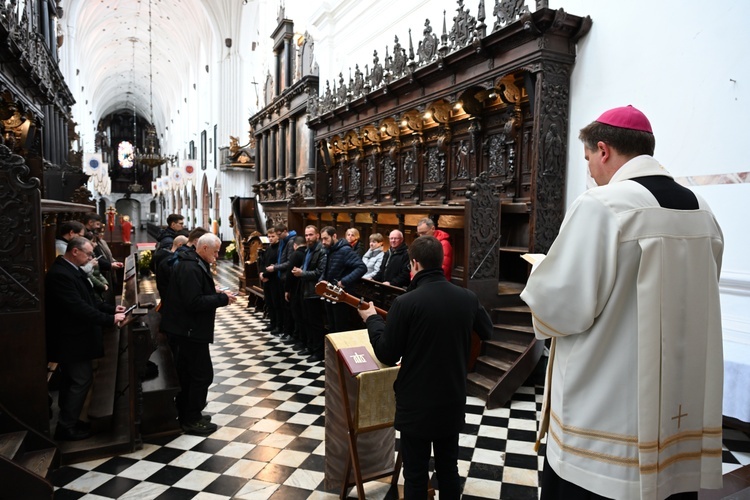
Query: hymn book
x=533 y=258
x=358 y=359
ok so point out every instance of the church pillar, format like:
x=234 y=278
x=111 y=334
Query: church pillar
x=292 y=146
x=282 y=149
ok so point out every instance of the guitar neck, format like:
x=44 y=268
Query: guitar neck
x=337 y=294
x=359 y=304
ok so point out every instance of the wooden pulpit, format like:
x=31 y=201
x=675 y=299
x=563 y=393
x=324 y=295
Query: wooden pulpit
x=360 y=409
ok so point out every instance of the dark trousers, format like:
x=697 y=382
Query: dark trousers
x=295 y=306
x=196 y=372
x=415 y=453
x=556 y=488
x=315 y=329
x=274 y=296
x=75 y=381
x=287 y=326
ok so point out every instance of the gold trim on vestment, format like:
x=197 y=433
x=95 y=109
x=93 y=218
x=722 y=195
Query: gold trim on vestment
x=605 y=436
x=650 y=447
x=558 y=334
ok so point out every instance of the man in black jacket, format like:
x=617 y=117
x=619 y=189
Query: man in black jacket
x=74 y=320
x=429 y=330
x=313 y=313
x=394 y=270
x=175 y=222
x=272 y=291
x=188 y=316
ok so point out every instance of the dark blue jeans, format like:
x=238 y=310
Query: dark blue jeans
x=415 y=453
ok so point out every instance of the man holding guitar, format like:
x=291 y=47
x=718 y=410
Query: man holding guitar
x=429 y=330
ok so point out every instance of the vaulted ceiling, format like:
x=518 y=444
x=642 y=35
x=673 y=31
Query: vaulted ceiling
x=110 y=48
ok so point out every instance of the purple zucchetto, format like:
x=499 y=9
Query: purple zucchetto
x=626 y=117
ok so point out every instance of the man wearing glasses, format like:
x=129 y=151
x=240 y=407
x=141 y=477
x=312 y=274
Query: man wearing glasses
x=74 y=321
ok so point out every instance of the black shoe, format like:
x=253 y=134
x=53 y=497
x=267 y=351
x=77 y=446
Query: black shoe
x=299 y=346
x=288 y=339
x=199 y=428
x=314 y=358
x=74 y=434
x=276 y=332
x=305 y=352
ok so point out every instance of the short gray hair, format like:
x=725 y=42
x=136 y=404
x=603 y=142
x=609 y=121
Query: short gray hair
x=427 y=221
x=209 y=239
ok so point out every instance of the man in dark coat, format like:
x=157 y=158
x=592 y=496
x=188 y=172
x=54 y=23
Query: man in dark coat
x=429 y=330
x=272 y=291
x=74 y=320
x=344 y=268
x=188 y=316
x=293 y=290
x=394 y=270
x=313 y=312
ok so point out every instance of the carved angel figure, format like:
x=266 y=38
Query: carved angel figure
x=234 y=145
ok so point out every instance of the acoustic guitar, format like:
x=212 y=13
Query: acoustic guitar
x=333 y=293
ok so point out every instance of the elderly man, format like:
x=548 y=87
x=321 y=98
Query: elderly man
x=426 y=227
x=629 y=293
x=188 y=316
x=74 y=332
x=395 y=270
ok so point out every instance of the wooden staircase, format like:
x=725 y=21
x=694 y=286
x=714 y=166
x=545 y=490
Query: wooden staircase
x=507 y=360
x=26 y=459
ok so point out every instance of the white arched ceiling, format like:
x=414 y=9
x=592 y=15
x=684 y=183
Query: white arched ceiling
x=110 y=48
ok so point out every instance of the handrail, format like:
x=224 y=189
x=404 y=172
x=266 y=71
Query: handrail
x=19 y=284
x=485 y=257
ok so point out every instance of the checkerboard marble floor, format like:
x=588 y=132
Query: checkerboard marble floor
x=269 y=405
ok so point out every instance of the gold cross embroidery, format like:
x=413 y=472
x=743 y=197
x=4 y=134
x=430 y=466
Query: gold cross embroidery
x=679 y=416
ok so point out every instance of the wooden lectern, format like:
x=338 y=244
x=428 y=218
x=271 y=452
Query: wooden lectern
x=359 y=434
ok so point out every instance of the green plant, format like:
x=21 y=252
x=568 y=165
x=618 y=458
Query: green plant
x=144 y=260
x=231 y=250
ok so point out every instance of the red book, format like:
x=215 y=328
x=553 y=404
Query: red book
x=358 y=359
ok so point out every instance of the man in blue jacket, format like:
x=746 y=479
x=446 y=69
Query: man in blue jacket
x=343 y=268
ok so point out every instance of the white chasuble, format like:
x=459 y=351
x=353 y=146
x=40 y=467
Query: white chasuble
x=629 y=293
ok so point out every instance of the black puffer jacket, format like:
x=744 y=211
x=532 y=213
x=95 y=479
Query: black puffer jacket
x=165 y=238
x=429 y=329
x=395 y=267
x=343 y=266
x=190 y=307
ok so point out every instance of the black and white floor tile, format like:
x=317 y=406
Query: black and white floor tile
x=269 y=405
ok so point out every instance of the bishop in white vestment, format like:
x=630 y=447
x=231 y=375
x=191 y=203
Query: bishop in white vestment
x=629 y=294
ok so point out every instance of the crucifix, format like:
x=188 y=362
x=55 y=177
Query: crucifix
x=679 y=416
